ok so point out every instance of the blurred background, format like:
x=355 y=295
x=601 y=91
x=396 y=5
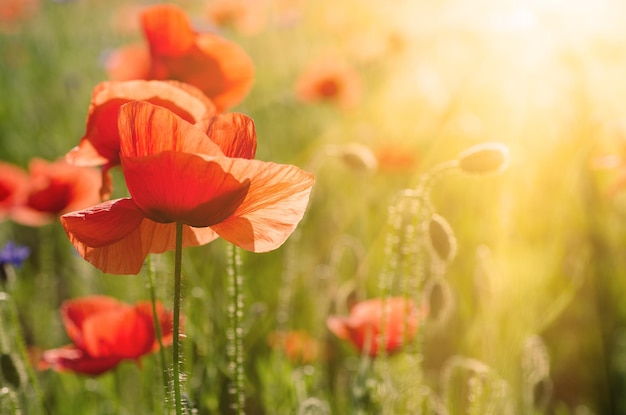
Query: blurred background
x=527 y=318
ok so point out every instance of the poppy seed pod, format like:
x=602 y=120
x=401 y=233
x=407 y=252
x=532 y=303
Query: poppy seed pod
x=442 y=238
x=484 y=158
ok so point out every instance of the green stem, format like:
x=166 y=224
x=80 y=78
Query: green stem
x=157 y=328
x=176 y=358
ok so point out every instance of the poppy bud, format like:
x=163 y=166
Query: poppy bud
x=442 y=238
x=484 y=158
x=358 y=157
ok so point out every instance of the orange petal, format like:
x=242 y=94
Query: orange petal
x=73 y=359
x=233 y=71
x=161 y=237
x=123 y=333
x=116 y=238
x=108 y=235
x=167 y=29
x=75 y=312
x=13 y=182
x=234 y=133
x=147 y=129
x=55 y=188
x=101 y=143
x=165 y=321
x=172 y=186
x=275 y=203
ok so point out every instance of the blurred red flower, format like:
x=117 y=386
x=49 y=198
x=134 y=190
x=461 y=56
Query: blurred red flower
x=100 y=146
x=218 y=67
x=54 y=188
x=394 y=157
x=363 y=326
x=14 y=11
x=298 y=345
x=329 y=80
x=13 y=181
x=177 y=173
x=105 y=332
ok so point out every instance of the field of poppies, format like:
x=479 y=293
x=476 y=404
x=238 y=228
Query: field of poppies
x=297 y=207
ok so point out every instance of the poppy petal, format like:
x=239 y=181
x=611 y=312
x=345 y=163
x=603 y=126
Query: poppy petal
x=13 y=182
x=161 y=237
x=147 y=129
x=72 y=359
x=234 y=133
x=165 y=321
x=167 y=29
x=124 y=333
x=232 y=71
x=275 y=203
x=103 y=224
x=173 y=186
x=101 y=143
x=75 y=312
x=108 y=235
x=116 y=238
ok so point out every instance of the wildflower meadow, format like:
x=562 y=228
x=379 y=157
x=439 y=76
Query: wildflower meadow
x=295 y=207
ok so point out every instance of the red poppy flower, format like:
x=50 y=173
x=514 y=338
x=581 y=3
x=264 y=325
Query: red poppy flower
x=177 y=173
x=329 y=80
x=218 y=67
x=13 y=182
x=55 y=188
x=105 y=332
x=363 y=326
x=101 y=144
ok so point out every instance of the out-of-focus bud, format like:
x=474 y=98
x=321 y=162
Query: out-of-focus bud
x=356 y=156
x=442 y=238
x=484 y=158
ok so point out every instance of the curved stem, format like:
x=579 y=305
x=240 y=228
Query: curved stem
x=176 y=358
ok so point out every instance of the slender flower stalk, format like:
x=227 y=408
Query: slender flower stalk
x=176 y=355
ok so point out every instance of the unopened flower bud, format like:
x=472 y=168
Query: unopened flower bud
x=442 y=238
x=484 y=158
x=358 y=157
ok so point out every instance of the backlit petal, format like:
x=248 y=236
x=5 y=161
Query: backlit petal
x=161 y=237
x=101 y=143
x=275 y=203
x=116 y=238
x=234 y=133
x=147 y=129
x=167 y=29
x=233 y=76
x=173 y=186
